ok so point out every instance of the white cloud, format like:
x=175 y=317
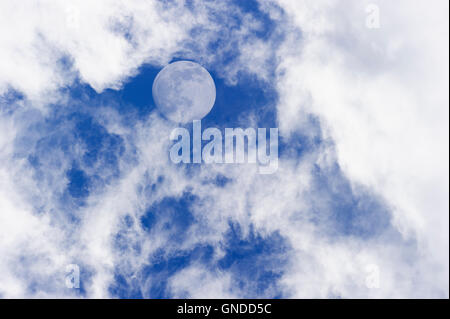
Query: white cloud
x=195 y=282
x=382 y=96
x=92 y=35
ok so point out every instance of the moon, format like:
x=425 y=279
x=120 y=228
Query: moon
x=184 y=91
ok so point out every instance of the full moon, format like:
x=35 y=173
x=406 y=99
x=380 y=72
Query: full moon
x=184 y=91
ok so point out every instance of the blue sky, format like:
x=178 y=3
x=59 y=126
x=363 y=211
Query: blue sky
x=88 y=181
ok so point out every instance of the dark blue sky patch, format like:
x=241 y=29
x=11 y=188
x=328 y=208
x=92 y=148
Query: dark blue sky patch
x=149 y=186
x=163 y=267
x=173 y=215
x=148 y=220
x=256 y=262
x=124 y=287
x=69 y=144
x=78 y=186
x=219 y=180
x=298 y=144
x=80 y=93
x=357 y=213
x=101 y=146
x=233 y=103
x=98 y=165
x=9 y=101
x=133 y=101
x=268 y=25
x=228 y=33
x=11 y=96
x=157 y=272
x=128 y=221
x=136 y=94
